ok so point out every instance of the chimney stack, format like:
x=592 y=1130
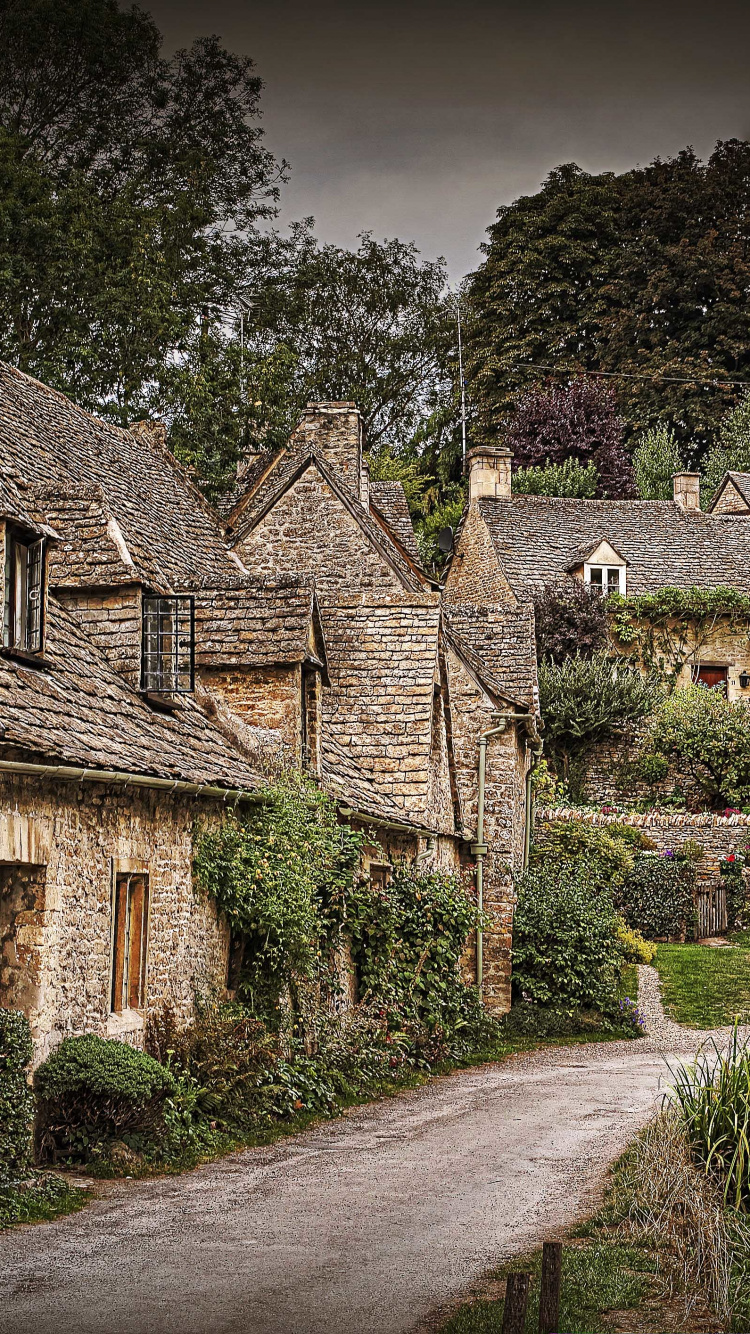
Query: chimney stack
x=337 y=431
x=489 y=472
x=687 y=490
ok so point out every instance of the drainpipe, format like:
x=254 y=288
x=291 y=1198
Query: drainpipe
x=529 y=811
x=479 y=848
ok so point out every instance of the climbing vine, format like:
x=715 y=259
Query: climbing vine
x=669 y=628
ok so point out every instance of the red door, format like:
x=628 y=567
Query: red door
x=712 y=676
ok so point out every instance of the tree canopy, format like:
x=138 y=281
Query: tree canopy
x=645 y=273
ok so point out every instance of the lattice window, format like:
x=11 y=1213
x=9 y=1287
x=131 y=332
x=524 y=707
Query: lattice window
x=24 y=593
x=168 y=650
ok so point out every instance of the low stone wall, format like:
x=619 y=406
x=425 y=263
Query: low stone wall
x=718 y=835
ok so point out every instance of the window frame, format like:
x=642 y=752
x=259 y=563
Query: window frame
x=23 y=592
x=131 y=902
x=180 y=680
x=605 y=569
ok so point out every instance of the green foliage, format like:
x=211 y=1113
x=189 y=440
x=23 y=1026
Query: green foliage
x=586 y=701
x=656 y=458
x=664 y=630
x=281 y=873
x=387 y=466
x=738 y=899
x=708 y=736
x=39 y=1199
x=713 y=1097
x=635 y=948
x=16 y=1102
x=445 y=512
x=607 y=856
x=547 y=789
x=657 y=898
x=569 y=478
x=731 y=451
x=407 y=941
x=639 y=272
x=565 y=946
x=91 y=1090
x=570 y=619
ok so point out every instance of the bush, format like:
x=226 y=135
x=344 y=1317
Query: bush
x=586 y=701
x=607 y=853
x=16 y=1101
x=709 y=736
x=738 y=901
x=635 y=949
x=658 y=896
x=570 y=618
x=569 y=478
x=91 y=1091
x=565 y=947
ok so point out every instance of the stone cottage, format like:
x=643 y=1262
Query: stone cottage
x=157 y=663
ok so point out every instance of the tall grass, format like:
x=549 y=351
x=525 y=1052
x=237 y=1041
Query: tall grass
x=713 y=1097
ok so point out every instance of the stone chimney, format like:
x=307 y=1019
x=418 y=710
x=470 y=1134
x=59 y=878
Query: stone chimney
x=687 y=490
x=336 y=430
x=489 y=472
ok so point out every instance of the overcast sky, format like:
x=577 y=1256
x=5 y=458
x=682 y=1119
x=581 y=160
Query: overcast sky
x=417 y=119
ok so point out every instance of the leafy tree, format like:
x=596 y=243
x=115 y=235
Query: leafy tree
x=731 y=451
x=708 y=735
x=570 y=619
x=569 y=478
x=655 y=459
x=586 y=701
x=642 y=274
x=578 y=422
x=129 y=184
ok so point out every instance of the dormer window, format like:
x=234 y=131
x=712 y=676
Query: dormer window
x=168 y=645
x=24 y=592
x=606 y=578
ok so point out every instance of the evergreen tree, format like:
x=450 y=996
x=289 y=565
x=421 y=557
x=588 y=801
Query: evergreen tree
x=655 y=459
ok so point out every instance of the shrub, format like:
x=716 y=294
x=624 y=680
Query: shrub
x=16 y=1101
x=658 y=896
x=709 y=736
x=570 y=618
x=586 y=701
x=91 y=1090
x=635 y=948
x=607 y=853
x=565 y=947
x=738 y=900
x=569 y=478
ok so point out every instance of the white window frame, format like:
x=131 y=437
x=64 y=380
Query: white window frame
x=606 y=569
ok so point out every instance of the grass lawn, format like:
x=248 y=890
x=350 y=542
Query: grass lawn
x=704 y=987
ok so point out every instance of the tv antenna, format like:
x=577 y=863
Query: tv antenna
x=463 y=383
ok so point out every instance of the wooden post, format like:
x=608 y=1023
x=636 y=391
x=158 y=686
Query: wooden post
x=549 y=1297
x=516 y=1301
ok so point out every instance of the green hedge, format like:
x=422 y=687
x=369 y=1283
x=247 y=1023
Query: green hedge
x=658 y=897
x=566 y=951
x=16 y=1101
x=608 y=852
x=91 y=1091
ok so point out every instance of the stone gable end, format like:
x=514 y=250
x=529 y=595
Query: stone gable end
x=475 y=574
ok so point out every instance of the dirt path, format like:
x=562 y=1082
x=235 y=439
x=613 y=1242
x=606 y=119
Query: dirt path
x=360 y=1227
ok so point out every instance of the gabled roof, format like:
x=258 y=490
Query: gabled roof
x=588 y=549
x=268 y=483
x=536 y=539
x=347 y=782
x=169 y=529
x=90 y=549
x=259 y=623
x=79 y=711
x=740 y=480
x=498 y=647
x=390 y=500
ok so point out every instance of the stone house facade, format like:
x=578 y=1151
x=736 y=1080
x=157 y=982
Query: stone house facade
x=509 y=546
x=159 y=662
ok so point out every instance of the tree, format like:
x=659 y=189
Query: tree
x=731 y=451
x=570 y=618
x=129 y=185
x=573 y=479
x=644 y=274
x=576 y=422
x=708 y=735
x=655 y=459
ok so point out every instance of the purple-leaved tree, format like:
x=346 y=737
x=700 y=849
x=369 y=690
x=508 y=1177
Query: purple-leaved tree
x=579 y=421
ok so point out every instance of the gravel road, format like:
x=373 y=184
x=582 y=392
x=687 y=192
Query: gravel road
x=362 y=1226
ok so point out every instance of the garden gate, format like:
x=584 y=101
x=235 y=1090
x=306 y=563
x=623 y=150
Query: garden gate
x=712 y=911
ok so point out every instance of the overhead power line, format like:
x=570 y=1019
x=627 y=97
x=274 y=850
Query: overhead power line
x=630 y=375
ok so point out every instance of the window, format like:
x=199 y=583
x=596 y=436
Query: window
x=168 y=651
x=130 y=942
x=24 y=583
x=711 y=676
x=607 y=578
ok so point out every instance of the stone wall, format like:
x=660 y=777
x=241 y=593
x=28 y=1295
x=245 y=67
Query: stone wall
x=112 y=619
x=718 y=835
x=268 y=697
x=475 y=575
x=68 y=841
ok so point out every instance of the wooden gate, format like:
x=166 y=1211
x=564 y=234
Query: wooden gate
x=712 y=911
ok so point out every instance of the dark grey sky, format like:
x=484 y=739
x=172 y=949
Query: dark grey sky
x=418 y=119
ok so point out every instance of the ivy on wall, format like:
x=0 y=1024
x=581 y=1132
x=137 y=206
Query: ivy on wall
x=669 y=628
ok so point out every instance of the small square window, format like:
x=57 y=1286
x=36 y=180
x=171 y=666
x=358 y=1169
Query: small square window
x=168 y=646
x=24 y=589
x=606 y=578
